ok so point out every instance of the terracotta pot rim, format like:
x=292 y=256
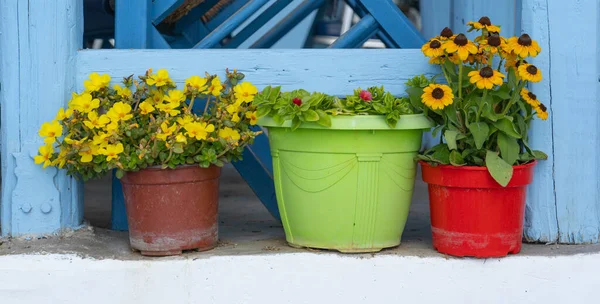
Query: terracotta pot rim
x=477 y=168
x=159 y=168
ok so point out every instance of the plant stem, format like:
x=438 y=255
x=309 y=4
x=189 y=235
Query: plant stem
x=514 y=98
x=460 y=75
x=191 y=105
x=482 y=105
x=207 y=103
x=500 y=64
x=445 y=73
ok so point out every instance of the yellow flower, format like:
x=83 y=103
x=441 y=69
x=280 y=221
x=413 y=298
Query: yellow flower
x=50 y=131
x=120 y=111
x=195 y=83
x=181 y=138
x=524 y=46
x=433 y=48
x=169 y=108
x=541 y=111
x=446 y=34
x=123 y=92
x=252 y=117
x=229 y=134
x=244 y=92
x=198 y=130
x=486 y=78
x=62 y=114
x=84 y=103
x=460 y=45
x=146 y=108
x=437 y=96
x=235 y=118
x=45 y=156
x=233 y=108
x=186 y=119
x=87 y=153
x=155 y=97
x=159 y=79
x=530 y=98
x=215 y=87
x=484 y=23
x=96 y=122
x=530 y=72
x=174 y=96
x=166 y=130
x=101 y=140
x=61 y=159
x=112 y=151
x=96 y=82
x=492 y=44
x=112 y=126
x=74 y=142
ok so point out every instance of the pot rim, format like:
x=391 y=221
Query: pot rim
x=477 y=168
x=358 y=122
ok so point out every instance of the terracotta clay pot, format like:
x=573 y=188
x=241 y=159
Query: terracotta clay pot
x=170 y=210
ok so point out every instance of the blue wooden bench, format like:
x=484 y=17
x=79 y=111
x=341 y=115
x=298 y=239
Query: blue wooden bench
x=41 y=65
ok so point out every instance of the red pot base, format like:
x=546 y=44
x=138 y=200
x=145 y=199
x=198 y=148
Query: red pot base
x=476 y=245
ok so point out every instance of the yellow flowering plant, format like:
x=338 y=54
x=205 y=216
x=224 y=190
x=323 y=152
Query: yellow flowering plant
x=484 y=110
x=148 y=122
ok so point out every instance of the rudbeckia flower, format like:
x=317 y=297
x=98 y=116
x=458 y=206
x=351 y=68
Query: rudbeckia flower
x=437 y=96
x=530 y=72
x=433 y=48
x=530 y=98
x=484 y=23
x=541 y=111
x=460 y=45
x=524 y=46
x=486 y=78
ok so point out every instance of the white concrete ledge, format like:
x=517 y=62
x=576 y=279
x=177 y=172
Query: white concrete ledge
x=299 y=278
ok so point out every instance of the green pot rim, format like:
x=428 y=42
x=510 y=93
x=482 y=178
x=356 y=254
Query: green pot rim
x=358 y=122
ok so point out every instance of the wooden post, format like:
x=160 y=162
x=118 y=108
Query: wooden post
x=38 y=47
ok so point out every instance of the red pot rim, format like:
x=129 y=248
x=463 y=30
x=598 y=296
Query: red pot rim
x=477 y=168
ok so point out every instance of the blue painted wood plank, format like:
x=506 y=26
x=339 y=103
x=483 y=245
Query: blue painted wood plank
x=157 y=41
x=382 y=35
x=394 y=23
x=118 y=212
x=225 y=13
x=357 y=34
x=162 y=8
x=35 y=83
x=194 y=15
x=503 y=13
x=541 y=223
x=257 y=23
x=230 y=24
x=575 y=113
x=287 y=23
x=133 y=28
x=435 y=15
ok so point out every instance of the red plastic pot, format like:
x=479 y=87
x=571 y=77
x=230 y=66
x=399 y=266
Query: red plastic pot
x=170 y=210
x=471 y=214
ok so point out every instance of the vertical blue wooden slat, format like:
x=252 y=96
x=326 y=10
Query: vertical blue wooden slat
x=358 y=34
x=287 y=23
x=133 y=28
x=575 y=115
x=257 y=23
x=435 y=15
x=503 y=13
x=230 y=24
x=541 y=223
x=162 y=8
x=394 y=22
x=382 y=35
x=37 y=75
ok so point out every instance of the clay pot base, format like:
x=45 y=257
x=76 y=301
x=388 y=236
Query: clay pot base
x=173 y=252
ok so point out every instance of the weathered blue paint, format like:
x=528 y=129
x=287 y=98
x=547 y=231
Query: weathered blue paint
x=162 y=8
x=257 y=23
x=394 y=23
x=435 y=15
x=358 y=34
x=382 y=35
x=133 y=29
x=225 y=13
x=287 y=23
x=37 y=76
x=118 y=213
x=230 y=24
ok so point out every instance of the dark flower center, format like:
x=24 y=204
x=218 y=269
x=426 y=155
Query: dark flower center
x=532 y=96
x=543 y=107
x=461 y=40
x=519 y=63
x=435 y=44
x=532 y=70
x=494 y=40
x=437 y=93
x=485 y=20
x=524 y=40
x=486 y=72
x=447 y=32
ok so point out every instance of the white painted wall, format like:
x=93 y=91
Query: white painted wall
x=300 y=278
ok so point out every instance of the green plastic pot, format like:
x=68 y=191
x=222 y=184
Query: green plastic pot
x=347 y=187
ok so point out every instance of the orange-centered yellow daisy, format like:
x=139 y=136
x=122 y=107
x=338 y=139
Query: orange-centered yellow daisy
x=437 y=96
x=460 y=45
x=524 y=46
x=486 y=78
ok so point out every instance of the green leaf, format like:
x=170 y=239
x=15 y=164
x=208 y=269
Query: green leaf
x=324 y=118
x=273 y=93
x=310 y=115
x=456 y=158
x=119 y=174
x=263 y=111
x=451 y=114
x=498 y=168
x=480 y=131
x=507 y=126
x=509 y=148
x=539 y=155
x=449 y=67
x=503 y=92
x=296 y=123
x=441 y=154
x=450 y=137
x=278 y=119
x=414 y=94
